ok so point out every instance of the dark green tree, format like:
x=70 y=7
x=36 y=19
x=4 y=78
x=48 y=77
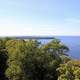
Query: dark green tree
x=3 y=60
x=38 y=63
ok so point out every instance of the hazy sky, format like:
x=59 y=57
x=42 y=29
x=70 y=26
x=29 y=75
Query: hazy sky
x=39 y=17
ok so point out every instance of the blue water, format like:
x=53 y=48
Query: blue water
x=73 y=43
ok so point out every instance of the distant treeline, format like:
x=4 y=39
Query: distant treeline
x=31 y=60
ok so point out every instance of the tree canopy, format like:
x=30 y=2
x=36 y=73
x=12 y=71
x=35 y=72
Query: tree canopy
x=32 y=60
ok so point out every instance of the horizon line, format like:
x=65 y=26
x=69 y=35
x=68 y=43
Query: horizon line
x=36 y=37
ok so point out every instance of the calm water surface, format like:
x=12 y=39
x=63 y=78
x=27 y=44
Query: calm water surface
x=73 y=42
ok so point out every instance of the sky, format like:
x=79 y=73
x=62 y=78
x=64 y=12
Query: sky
x=39 y=17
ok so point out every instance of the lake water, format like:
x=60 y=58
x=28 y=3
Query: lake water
x=73 y=43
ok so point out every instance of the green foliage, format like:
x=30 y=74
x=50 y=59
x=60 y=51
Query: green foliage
x=3 y=59
x=56 y=48
x=69 y=71
x=39 y=65
x=30 y=60
x=16 y=53
x=14 y=72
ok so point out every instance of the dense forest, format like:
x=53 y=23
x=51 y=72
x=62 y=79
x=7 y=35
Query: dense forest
x=32 y=60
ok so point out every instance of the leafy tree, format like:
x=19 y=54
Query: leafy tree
x=30 y=60
x=57 y=49
x=69 y=71
x=16 y=52
x=39 y=65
